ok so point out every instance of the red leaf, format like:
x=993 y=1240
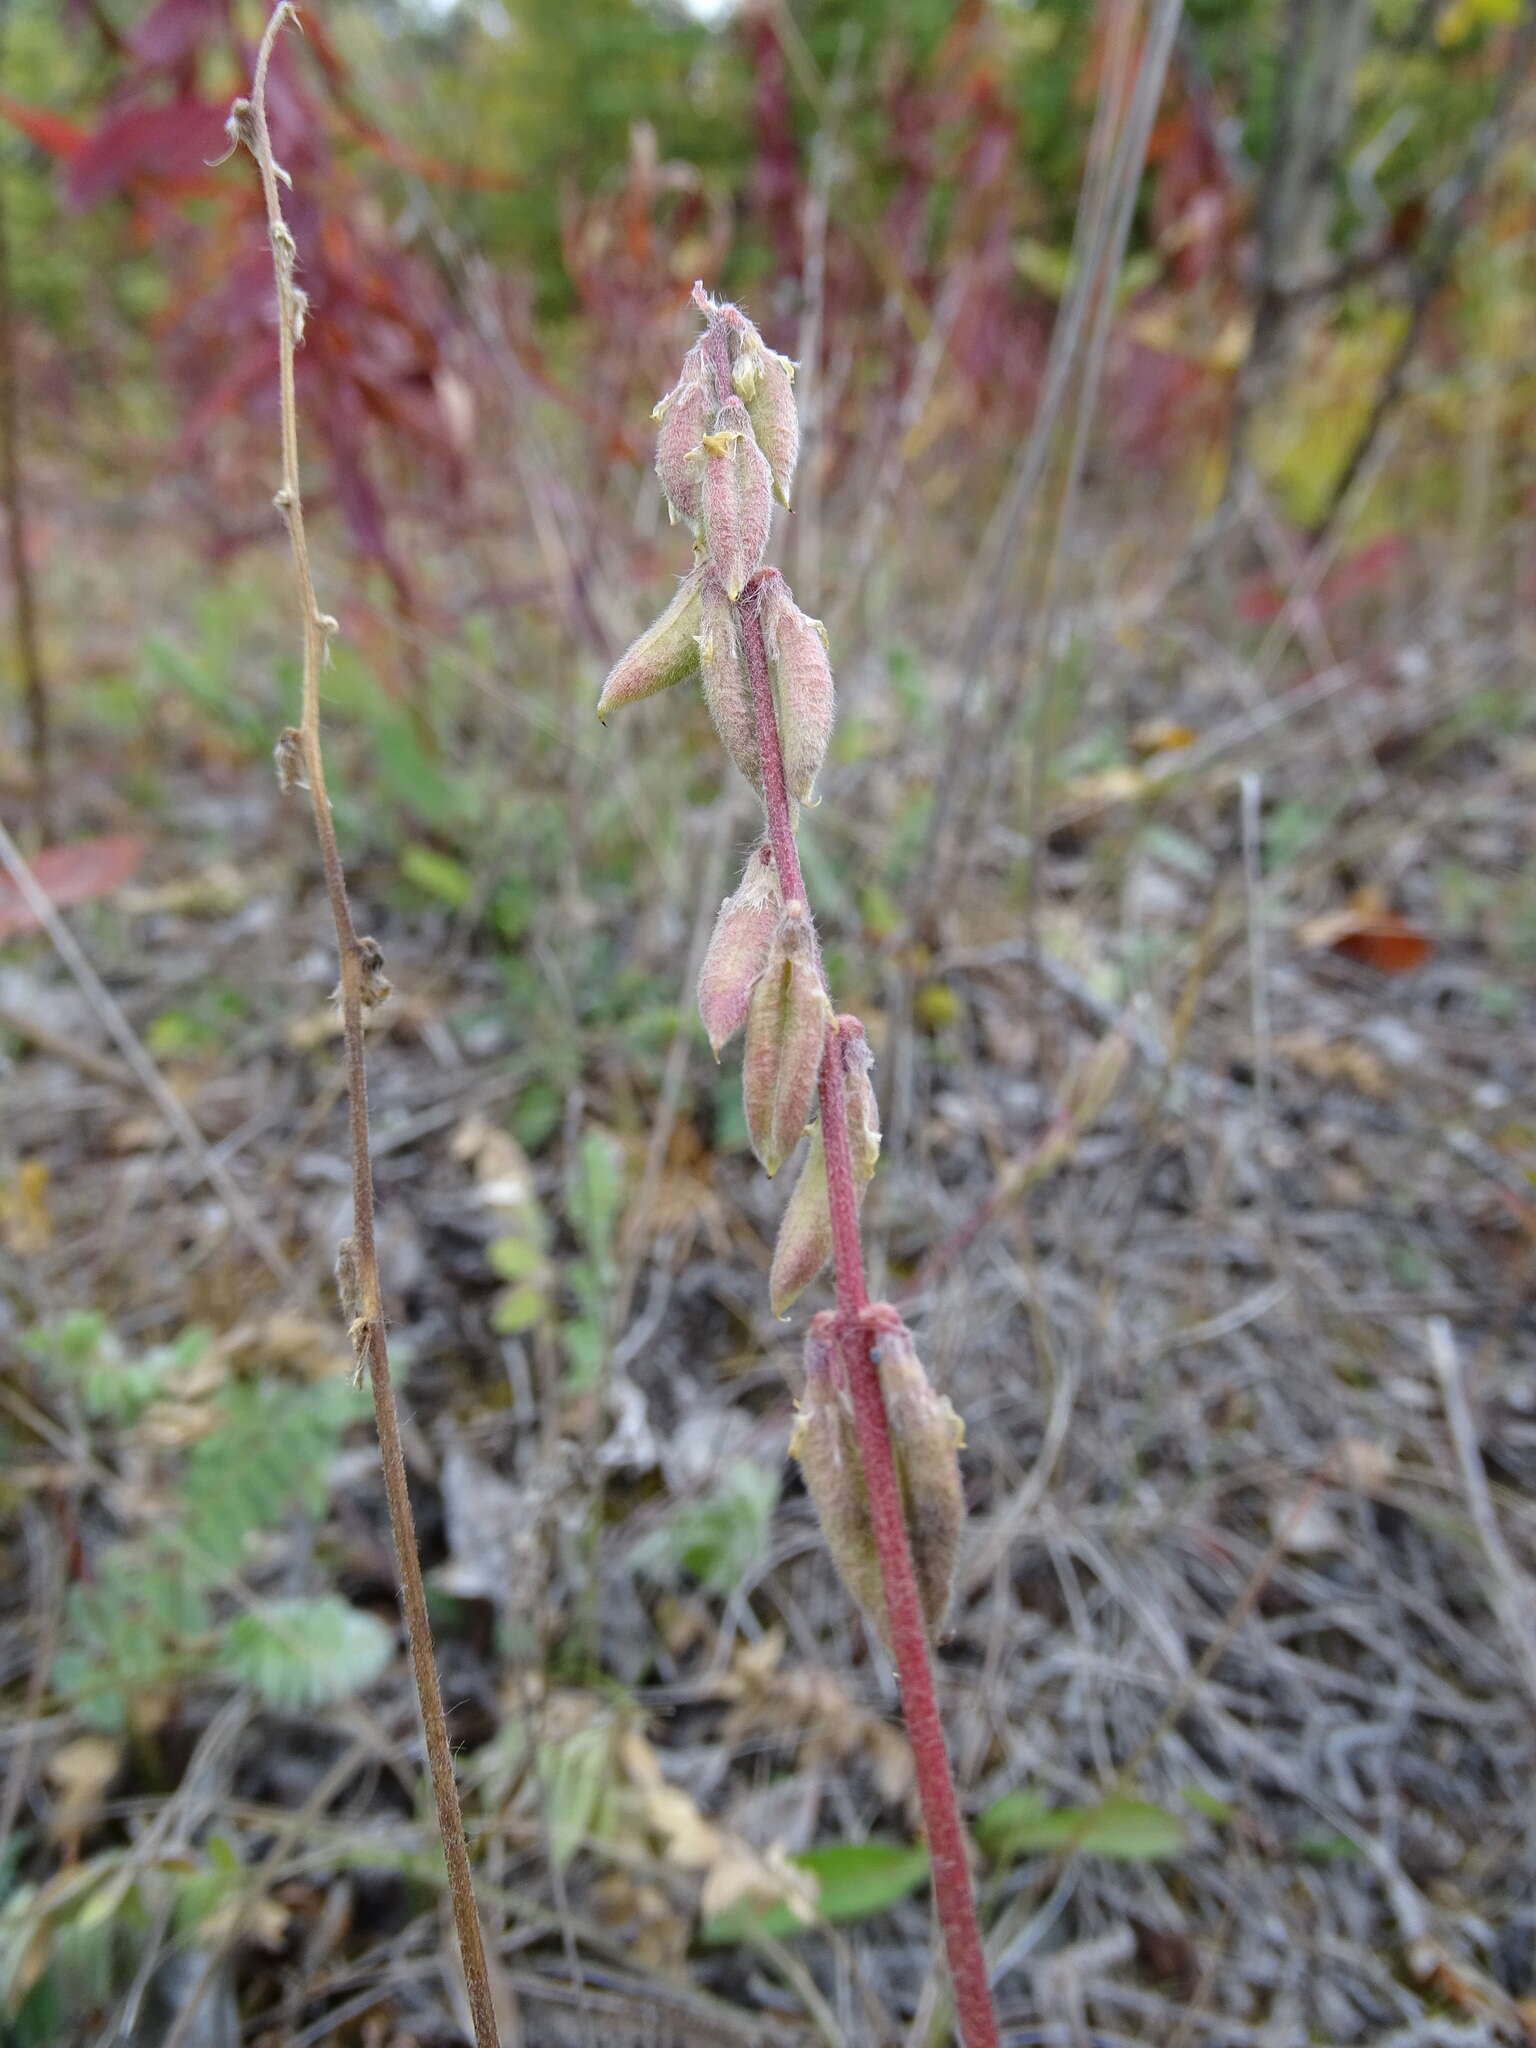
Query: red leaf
x=1356 y=575
x=77 y=872
x=48 y=130
x=1365 y=568
x=172 y=144
x=176 y=29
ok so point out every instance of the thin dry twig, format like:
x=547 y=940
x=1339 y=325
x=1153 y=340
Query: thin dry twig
x=1099 y=240
x=1512 y=1601
x=361 y=985
x=175 y=1112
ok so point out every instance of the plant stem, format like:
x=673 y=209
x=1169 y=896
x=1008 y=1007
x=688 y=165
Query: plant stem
x=909 y=1637
x=359 y=962
x=29 y=658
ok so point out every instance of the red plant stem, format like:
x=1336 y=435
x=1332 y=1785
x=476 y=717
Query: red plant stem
x=909 y=1637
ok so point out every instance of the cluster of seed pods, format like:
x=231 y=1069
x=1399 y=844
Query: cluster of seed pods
x=728 y=438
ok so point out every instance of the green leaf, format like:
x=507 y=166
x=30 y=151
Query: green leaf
x=302 y=1653
x=718 y=1539
x=438 y=874
x=1126 y=1830
x=536 y=1114
x=1208 y=1803
x=1327 y=1848
x=517 y=1309
x=574 y=1774
x=585 y=1345
x=514 y=1258
x=269 y=1455
x=82 y=1351
x=595 y=1193
x=854 y=1881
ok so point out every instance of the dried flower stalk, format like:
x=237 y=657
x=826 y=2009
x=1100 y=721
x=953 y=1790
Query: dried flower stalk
x=362 y=985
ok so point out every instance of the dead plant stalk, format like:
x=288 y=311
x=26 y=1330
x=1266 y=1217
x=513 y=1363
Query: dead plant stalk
x=361 y=984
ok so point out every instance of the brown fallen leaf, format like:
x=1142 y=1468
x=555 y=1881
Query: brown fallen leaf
x=80 y=1771
x=1105 y=786
x=655 y=1934
x=77 y=872
x=764 y=1878
x=1369 y=932
x=1462 y=1985
x=812 y=1710
x=1361 y=1462
x=1342 y=1060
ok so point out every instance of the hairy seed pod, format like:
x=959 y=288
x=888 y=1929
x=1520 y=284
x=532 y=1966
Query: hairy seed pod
x=787 y=1018
x=804 y=1242
x=667 y=651
x=739 y=948
x=802 y=685
x=682 y=416
x=766 y=383
x=737 y=497
x=926 y=1434
x=727 y=691
x=826 y=1446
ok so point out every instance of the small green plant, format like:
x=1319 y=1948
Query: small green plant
x=594 y=1197
x=719 y=1538
x=154 y=1612
x=876 y=1444
x=72 y=1947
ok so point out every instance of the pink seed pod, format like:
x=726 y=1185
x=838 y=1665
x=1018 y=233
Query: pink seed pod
x=926 y=1434
x=737 y=497
x=826 y=1445
x=802 y=685
x=667 y=651
x=765 y=382
x=804 y=1242
x=727 y=691
x=787 y=1018
x=739 y=947
x=682 y=415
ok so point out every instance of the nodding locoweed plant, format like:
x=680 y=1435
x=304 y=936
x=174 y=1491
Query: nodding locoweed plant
x=876 y=1444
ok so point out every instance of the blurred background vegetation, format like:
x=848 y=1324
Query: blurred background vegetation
x=1168 y=494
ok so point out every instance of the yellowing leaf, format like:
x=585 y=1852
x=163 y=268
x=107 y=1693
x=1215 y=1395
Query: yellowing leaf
x=1462 y=20
x=836 y=1883
x=25 y=1221
x=1161 y=736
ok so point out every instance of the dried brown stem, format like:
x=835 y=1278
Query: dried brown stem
x=359 y=961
